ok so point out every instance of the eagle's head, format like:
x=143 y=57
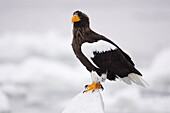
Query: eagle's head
x=80 y=19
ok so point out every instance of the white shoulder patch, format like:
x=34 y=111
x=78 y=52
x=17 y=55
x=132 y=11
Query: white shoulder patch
x=99 y=46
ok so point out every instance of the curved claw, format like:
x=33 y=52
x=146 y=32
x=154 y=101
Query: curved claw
x=101 y=87
x=86 y=86
x=93 y=86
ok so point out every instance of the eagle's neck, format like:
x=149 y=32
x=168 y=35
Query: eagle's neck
x=80 y=32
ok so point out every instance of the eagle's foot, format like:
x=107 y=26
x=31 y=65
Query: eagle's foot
x=93 y=87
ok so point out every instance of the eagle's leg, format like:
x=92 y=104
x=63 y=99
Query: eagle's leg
x=93 y=87
x=96 y=83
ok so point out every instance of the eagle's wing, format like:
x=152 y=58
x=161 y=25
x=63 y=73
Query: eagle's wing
x=97 y=37
x=106 y=56
x=100 y=46
x=127 y=57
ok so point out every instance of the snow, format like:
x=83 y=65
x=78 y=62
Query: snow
x=86 y=103
x=158 y=73
x=4 y=103
x=16 y=47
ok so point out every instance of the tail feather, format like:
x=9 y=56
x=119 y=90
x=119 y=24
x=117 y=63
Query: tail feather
x=135 y=78
x=126 y=80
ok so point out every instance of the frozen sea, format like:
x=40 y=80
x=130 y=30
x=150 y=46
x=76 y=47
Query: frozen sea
x=39 y=72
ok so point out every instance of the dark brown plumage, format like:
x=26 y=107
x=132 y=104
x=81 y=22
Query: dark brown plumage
x=113 y=62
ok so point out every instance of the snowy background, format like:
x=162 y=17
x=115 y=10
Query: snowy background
x=39 y=72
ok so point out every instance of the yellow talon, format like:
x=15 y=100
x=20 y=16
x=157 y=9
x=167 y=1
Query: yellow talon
x=93 y=87
x=98 y=86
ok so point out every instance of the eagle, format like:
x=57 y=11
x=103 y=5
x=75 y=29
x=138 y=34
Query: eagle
x=101 y=57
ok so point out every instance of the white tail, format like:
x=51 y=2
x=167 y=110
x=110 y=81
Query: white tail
x=134 y=78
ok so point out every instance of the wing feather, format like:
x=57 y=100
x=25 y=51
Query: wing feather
x=100 y=46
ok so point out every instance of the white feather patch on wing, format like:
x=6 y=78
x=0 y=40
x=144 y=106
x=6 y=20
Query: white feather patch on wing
x=132 y=77
x=100 y=46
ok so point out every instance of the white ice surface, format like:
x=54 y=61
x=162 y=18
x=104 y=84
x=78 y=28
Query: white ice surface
x=86 y=103
x=4 y=103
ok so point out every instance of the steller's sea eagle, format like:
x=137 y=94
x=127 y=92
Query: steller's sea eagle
x=103 y=58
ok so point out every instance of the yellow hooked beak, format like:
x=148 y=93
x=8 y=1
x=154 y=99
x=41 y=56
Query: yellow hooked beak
x=75 y=18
